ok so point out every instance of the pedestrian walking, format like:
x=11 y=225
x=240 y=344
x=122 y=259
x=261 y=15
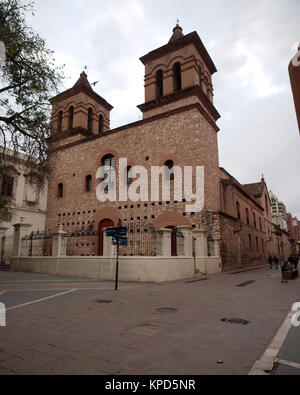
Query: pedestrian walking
x=283 y=270
x=270 y=260
x=276 y=262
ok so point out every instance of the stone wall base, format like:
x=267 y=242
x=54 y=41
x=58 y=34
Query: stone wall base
x=131 y=269
x=209 y=265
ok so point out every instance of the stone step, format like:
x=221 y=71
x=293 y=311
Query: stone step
x=5 y=268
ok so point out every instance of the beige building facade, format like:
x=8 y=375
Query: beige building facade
x=28 y=201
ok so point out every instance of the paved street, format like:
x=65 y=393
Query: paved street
x=70 y=326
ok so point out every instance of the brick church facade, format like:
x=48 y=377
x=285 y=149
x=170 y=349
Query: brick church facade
x=178 y=129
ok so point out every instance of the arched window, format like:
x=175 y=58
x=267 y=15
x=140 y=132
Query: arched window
x=201 y=79
x=129 y=175
x=247 y=216
x=238 y=210
x=88 y=183
x=90 y=120
x=71 y=117
x=267 y=205
x=170 y=171
x=254 y=220
x=250 y=242
x=177 y=77
x=159 y=83
x=60 y=119
x=7 y=186
x=60 y=192
x=101 y=123
x=108 y=163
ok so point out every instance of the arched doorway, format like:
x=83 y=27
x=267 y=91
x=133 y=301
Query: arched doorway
x=105 y=223
x=173 y=240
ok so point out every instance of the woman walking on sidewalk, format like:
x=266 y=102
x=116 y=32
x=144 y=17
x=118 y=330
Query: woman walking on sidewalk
x=283 y=270
x=276 y=261
x=270 y=260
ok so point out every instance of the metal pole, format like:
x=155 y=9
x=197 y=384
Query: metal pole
x=31 y=241
x=2 y=251
x=118 y=251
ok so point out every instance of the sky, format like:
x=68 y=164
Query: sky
x=251 y=43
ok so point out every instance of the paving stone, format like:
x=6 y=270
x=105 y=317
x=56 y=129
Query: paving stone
x=67 y=338
x=4 y=356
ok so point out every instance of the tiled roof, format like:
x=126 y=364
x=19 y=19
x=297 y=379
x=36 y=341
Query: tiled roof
x=255 y=189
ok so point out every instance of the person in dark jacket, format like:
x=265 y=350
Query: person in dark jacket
x=283 y=270
x=276 y=262
x=270 y=260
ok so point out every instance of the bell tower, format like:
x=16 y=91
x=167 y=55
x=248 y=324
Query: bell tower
x=176 y=71
x=80 y=110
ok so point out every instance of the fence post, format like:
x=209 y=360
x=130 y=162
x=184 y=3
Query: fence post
x=109 y=250
x=163 y=243
x=200 y=243
x=20 y=230
x=188 y=239
x=59 y=243
x=3 y=231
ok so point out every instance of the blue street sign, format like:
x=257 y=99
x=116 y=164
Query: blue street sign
x=123 y=241
x=113 y=232
x=123 y=231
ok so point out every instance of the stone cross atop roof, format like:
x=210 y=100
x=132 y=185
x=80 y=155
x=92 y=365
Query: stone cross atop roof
x=177 y=33
x=83 y=82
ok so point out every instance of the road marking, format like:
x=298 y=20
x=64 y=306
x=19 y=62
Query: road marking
x=50 y=282
x=287 y=363
x=60 y=289
x=40 y=300
x=266 y=362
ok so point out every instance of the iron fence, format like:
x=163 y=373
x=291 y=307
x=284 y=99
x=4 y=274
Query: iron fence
x=140 y=235
x=37 y=244
x=85 y=241
x=141 y=240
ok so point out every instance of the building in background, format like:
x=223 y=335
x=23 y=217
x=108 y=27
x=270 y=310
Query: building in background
x=28 y=201
x=294 y=71
x=279 y=214
x=290 y=225
x=296 y=229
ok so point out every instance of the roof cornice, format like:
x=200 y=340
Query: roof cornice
x=191 y=38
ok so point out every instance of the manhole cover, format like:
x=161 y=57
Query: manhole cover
x=246 y=283
x=166 y=310
x=104 y=301
x=196 y=281
x=235 y=321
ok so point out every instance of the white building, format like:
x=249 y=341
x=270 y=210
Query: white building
x=279 y=214
x=28 y=202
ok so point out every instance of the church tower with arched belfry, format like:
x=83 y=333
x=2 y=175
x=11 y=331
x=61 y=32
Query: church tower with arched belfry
x=179 y=70
x=79 y=111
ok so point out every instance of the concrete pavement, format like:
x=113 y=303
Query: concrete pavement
x=71 y=326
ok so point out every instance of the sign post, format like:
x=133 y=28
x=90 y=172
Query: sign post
x=118 y=238
x=118 y=252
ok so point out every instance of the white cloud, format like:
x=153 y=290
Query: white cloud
x=254 y=75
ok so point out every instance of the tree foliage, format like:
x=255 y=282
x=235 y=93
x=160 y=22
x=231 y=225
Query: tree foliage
x=29 y=78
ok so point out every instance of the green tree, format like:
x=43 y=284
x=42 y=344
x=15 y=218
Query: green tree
x=28 y=78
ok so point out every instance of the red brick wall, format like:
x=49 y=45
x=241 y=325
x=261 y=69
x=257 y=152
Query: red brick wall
x=185 y=137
